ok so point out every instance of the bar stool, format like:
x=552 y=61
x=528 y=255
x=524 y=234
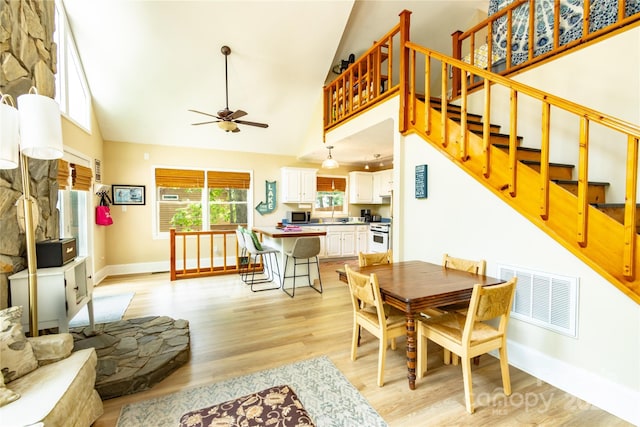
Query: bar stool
x=304 y=249
x=266 y=253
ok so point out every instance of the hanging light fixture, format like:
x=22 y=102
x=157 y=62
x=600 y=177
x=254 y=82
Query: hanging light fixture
x=227 y=126
x=35 y=131
x=330 y=162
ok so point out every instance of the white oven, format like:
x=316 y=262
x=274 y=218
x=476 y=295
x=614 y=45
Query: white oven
x=379 y=237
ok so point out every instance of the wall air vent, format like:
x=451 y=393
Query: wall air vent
x=544 y=299
x=170 y=197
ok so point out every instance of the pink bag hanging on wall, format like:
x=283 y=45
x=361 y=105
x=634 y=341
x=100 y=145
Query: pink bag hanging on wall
x=103 y=213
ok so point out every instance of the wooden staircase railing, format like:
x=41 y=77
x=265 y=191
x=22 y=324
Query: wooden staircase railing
x=202 y=253
x=480 y=38
x=606 y=245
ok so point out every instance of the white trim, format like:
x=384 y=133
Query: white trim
x=612 y=397
x=138 y=268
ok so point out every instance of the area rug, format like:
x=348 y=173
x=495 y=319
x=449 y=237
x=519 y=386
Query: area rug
x=323 y=390
x=106 y=308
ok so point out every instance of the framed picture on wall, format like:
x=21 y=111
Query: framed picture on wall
x=128 y=194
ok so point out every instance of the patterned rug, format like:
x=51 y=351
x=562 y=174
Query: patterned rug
x=325 y=392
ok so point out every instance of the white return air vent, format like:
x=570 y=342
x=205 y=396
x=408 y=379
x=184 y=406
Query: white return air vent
x=544 y=299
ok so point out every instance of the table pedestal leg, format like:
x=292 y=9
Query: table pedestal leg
x=411 y=351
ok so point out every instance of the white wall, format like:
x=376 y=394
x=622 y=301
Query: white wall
x=462 y=218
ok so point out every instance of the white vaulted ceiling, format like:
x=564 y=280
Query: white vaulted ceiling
x=148 y=62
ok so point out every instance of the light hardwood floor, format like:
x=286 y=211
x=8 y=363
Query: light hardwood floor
x=236 y=332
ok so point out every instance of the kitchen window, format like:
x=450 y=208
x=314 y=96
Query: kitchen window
x=330 y=196
x=181 y=196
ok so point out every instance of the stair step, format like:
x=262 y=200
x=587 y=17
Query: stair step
x=477 y=126
x=557 y=171
x=500 y=138
x=522 y=153
x=616 y=211
x=595 y=192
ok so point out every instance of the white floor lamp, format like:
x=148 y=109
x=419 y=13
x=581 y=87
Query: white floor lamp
x=32 y=131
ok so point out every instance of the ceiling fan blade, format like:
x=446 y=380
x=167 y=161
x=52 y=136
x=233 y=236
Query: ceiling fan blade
x=205 y=123
x=260 y=125
x=236 y=114
x=206 y=114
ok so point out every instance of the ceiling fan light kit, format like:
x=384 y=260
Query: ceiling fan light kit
x=227 y=119
x=330 y=162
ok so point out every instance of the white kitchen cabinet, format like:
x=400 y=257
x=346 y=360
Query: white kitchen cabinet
x=360 y=187
x=298 y=185
x=362 y=238
x=382 y=186
x=62 y=292
x=340 y=241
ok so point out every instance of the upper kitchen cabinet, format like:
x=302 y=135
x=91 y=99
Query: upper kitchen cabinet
x=298 y=185
x=382 y=186
x=360 y=187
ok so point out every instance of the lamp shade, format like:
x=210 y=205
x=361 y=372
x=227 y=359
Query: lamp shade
x=9 y=136
x=330 y=163
x=40 y=127
x=227 y=126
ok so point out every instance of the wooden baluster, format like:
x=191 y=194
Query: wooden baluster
x=404 y=72
x=532 y=27
x=630 y=232
x=457 y=54
x=412 y=88
x=443 y=105
x=172 y=253
x=486 y=129
x=583 y=182
x=463 y=118
x=427 y=94
x=556 y=24
x=544 y=162
x=509 y=36
x=513 y=142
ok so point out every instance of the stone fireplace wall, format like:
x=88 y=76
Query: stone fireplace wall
x=27 y=58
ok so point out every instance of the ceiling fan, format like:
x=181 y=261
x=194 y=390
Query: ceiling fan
x=228 y=120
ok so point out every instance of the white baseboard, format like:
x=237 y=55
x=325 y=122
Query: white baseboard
x=140 y=268
x=614 y=398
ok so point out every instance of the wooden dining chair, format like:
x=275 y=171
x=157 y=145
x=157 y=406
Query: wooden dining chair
x=375 y=258
x=368 y=313
x=469 y=336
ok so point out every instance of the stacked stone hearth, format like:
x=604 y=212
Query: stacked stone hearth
x=27 y=58
x=135 y=354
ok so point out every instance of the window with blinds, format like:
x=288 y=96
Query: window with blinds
x=330 y=194
x=182 y=194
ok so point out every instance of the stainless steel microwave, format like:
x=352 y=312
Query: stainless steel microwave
x=298 y=217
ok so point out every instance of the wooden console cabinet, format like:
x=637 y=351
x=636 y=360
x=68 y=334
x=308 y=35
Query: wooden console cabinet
x=62 y=292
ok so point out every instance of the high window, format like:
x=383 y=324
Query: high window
x=72 y=91
x=330 y=195
x=181 y=195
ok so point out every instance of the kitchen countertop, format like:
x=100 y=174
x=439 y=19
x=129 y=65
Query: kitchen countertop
x=279 y=233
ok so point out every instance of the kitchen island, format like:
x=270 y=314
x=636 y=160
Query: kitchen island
x=283 y=241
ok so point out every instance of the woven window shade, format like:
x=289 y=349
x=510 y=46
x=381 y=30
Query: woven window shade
x=81 y=177
x=179 y=178
x=63 y=174
x=324 y=183
x=217 y=179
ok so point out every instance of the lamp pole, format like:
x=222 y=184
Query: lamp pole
x=30 y=234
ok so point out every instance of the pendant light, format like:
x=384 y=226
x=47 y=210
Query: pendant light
x=330 y=162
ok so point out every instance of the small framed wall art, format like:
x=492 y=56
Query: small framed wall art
x=421 y=181
x=128 y=194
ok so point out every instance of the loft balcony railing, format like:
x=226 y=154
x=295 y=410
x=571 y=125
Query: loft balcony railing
x=518 y=38
x=369 y=80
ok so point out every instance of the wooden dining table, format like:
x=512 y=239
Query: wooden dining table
x=413 y=286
